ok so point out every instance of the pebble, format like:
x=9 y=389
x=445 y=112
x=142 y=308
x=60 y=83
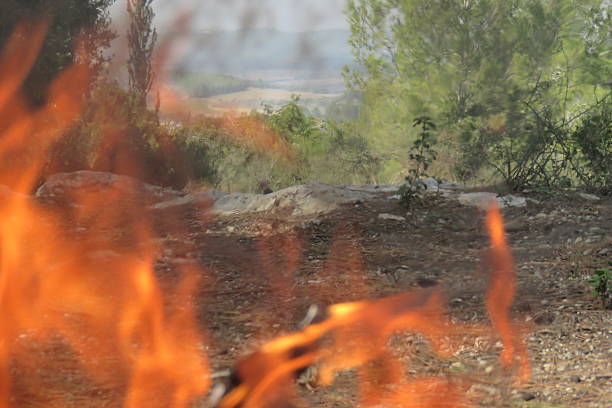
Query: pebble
x=385 y=216
x=526 y=396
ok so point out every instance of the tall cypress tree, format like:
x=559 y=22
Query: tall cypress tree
x=142 y=37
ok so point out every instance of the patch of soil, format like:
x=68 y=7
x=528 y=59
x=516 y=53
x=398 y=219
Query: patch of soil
x=267 y=270
x=262 y=272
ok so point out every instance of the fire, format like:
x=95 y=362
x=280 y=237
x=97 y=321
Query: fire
x=97 y=304
x=502 y=288
x=355 y=336
x=95 y=300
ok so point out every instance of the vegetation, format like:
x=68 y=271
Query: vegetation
x=207 y=85
x=142 y=37
x=240 y=161
x=68 y=20
x=601 y=281
x=508 y=83
x=517 y=91
x=422 y=154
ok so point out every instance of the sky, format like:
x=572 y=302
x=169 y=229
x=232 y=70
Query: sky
x=283 y=15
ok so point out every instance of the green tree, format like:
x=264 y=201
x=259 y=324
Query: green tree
x=291 y=121
x=68 y=20
x=479 y=68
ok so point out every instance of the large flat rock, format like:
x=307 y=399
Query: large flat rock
x=308 y=199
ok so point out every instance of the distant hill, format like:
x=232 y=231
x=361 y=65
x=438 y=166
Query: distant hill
x=244 y=51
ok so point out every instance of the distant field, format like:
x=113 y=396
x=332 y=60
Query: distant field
x=252 y=99
x=331 y=85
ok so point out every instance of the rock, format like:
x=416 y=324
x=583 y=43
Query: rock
x=447 y=185
x=481 y=200
x=373 y=188
x=67 y=187
x=202 y=200
x=385 y=216
x=512 y=201
x=431 y=184
x=544 y=318
x=426 y=282
x=308 y=199
x=516 y=225
x=589 y=197
x=526 y=396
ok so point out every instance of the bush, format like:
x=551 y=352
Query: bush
x=115 y=134
x=593 y=137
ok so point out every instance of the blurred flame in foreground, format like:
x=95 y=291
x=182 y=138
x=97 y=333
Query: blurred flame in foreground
x=99 y=301
x=92 y=299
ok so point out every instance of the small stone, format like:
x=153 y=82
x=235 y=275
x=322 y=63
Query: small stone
x=589 y=197
x=578 y=240
x=576 y=378
x=516 y=225
x=426 y=282
x=489 y=369
x=456 y=301
x=385 y=216
x=544 y=319
x=457 y=366
x=526 y=396
x=541 y=215
x=512 y=201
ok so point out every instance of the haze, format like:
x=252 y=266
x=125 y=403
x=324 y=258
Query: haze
x=283 y=15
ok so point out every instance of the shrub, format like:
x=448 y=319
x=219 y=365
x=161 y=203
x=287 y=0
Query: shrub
x=593 y=137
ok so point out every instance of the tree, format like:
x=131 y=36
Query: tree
x=68 y=21
x=477 y=67
x=142 y=37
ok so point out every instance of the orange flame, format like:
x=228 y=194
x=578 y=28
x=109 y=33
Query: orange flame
x=355 y=336
x=95 y=299
x=502 y=288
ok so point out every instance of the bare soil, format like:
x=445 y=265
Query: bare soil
x=267 y=269
x=261 y=272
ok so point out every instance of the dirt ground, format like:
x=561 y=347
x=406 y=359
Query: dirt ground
x=262 y=272
x=266 y=270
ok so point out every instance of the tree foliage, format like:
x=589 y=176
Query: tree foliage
x=69 y=20
x=142 y=37
x=487 y=71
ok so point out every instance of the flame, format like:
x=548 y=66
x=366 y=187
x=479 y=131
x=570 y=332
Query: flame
x=355 y=335
x=499 y=298
x=96 y=303
x=93 y=298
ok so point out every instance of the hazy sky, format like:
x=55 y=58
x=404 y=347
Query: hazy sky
x=285 y=15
